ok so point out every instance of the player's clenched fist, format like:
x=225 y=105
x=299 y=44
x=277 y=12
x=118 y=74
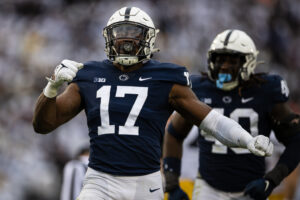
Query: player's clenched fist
x=260 y=146
x=64 y=72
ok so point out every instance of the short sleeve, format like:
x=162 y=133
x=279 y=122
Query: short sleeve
x=176 y=74
x=279 y=89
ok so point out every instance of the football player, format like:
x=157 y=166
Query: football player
x=258 y=102
x=128 y=99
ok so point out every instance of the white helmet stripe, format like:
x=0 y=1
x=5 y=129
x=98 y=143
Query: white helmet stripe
x=227 y=38
x=127 y=13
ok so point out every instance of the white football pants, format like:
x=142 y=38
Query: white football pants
x=203 y=191
x=101 y=186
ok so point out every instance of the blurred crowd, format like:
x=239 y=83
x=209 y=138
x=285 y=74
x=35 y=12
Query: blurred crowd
x=35 y=35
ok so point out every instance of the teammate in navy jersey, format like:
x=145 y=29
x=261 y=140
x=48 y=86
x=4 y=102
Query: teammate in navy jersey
x=128 y=100
x=258 y=103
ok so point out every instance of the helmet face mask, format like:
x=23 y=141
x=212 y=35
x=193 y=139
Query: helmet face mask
x=129 y=36
x=230 y=63
x=239 y=50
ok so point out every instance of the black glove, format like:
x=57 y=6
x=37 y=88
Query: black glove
x=259 y=189
x=178 y=194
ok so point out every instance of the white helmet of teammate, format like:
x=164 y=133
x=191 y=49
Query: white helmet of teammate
x=129 y=36
x=233 y=42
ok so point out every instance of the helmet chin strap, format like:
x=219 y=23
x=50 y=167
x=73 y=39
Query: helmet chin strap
x=224 y=82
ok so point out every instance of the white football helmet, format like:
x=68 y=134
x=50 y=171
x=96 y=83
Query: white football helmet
x=129 y=36
x=233 y=42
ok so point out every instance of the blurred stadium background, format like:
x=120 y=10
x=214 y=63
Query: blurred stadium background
x=35 y=35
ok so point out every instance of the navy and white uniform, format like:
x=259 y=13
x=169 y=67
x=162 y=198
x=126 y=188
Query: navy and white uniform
x=126 y=114
x=231 y=169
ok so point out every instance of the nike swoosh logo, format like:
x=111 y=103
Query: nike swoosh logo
x=144 y=79
x=267 y=185
x=247 y=100
x=153 y=190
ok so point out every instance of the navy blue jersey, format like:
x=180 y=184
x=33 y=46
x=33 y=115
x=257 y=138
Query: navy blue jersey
x=231 y=169
x=126 y=114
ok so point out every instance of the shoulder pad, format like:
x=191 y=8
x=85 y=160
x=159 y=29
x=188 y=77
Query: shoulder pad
x=277 y=88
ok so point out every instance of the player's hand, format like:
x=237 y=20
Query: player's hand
x=64 y=72
x=260 y=146
x=259 y=189
x=177 y=194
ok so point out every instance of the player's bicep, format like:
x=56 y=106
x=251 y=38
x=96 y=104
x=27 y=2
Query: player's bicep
x=180 y=124
x=177 y=127
x=176 y=131
x=68 y=104
x=185 y=102
x=286 y=123
x=281 y=111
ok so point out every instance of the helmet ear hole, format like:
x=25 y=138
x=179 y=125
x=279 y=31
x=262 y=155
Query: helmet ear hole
x=213 y=58
x=243 y=60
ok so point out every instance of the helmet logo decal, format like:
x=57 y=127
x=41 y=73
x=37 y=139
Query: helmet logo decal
x=227 y=38
x=123 y=77
x=127 y=13
x=127 y=47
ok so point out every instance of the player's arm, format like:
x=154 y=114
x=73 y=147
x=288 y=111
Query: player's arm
x=51 y=111
x=286 y=125
x=223 y=128
x=176 y=131
x=192 y=111
x=172 y=153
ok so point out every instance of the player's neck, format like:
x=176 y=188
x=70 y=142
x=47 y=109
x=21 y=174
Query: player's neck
x=128 y=68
